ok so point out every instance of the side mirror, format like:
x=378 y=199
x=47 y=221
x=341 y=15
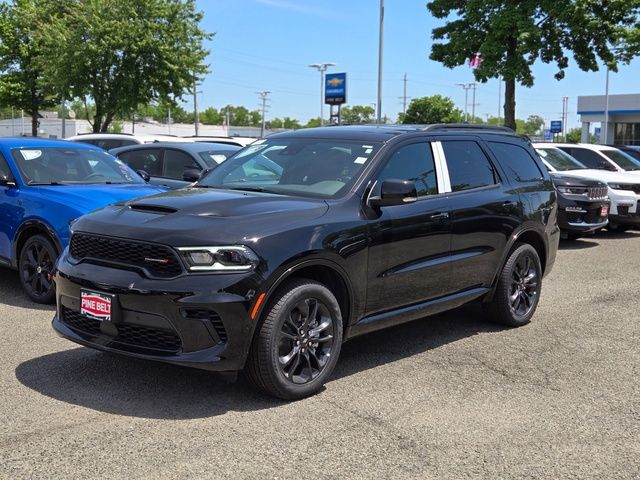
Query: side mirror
x=191 y=175
x=393 y=192
x=145 y=176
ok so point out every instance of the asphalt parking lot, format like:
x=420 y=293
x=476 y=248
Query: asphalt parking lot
x=451 y=396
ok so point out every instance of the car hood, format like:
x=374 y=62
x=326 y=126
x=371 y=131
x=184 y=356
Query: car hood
x=86 y=198
x=198 y=216
x=564 y=179
x=604 y=175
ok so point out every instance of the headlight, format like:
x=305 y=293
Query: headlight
x=236 y=258
x=621 y=186
x=573 y=190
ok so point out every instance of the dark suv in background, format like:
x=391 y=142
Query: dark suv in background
x=308 y=238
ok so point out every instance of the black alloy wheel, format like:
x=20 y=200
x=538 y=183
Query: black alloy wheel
x=518 y=289
x=296 y=347
x=36 y=262
x=305 y=341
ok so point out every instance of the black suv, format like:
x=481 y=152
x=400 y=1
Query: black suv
x=309 y=238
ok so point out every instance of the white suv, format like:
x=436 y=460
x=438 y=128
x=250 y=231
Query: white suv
x=107 y=141
x=623 y=186
x=601 y=157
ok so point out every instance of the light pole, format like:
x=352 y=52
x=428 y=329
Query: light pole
x=264 y=96
x=196 y=116
x=466 y=87
x=322 y=67
x=380 y=44
x=605 y=133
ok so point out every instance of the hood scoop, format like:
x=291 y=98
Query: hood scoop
x=157 y=209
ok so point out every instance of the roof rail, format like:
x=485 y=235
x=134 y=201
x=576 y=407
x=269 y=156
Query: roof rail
x=467 y=126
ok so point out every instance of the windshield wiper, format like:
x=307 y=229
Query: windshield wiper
x=253 y=189
x=31 y=182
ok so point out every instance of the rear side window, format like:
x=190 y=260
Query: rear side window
x=517 y=162
x=468 y=166
x=413 y=162
x=147 y=159
x=176 y=162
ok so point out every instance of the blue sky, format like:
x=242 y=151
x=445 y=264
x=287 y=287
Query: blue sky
x=267 y=45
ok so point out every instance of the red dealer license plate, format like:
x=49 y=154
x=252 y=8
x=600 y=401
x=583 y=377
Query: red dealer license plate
x=95 y=305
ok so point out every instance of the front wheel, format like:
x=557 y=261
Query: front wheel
x=36 y=261
x=616 y=227
x=518 y=290
x=297 y=345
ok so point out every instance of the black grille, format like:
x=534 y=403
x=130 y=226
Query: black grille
x=128 y=333
x=212 y=316
x=146 y=337
x=158 y=260
x=79 y=322
x=596 y=193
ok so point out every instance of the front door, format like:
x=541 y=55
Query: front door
x=409 y=246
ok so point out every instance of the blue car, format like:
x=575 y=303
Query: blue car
x=44 y=186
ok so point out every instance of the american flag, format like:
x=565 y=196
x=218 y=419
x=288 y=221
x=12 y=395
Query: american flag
x=475 y=61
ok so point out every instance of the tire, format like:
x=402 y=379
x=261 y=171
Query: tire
x=284 y=361
x=616 y=227
x=35 y=266
x=518 y=290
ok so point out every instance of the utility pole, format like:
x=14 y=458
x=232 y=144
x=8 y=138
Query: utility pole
x=169 y=119
x=605 y=134
x=264 y=95
x=466 y=87
x=196 y=116
x=380 y=49
x=473 y=103
x=63 y=133
x=565 y=115
x=404 y=95
x=322 y=67
x=499 y=98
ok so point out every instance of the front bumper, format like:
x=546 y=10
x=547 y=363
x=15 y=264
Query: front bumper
x=199 y=321
x=582 y=216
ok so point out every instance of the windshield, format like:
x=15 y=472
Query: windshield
x=215 y=157
x=627 y=162
x=69 y=165
x=306 y=167
x=560 y=160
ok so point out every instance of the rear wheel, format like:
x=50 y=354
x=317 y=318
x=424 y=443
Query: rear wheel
x=36 y=261
x=297 y=345
x=518 y=291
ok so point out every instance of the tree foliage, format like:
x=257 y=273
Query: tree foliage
x=22 y=83
x=433 y=109
x=122 y=53
x=357 y=114
x=512 y=36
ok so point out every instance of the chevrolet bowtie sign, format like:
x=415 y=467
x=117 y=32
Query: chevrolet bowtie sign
x=335 y=88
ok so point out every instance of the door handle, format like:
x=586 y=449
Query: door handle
x=439 y=217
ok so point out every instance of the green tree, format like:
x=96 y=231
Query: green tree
x=211 y=116
x=275 y=123
x=511 y=36
x=312 y=123
x=291 y=123
x=122 y=53
x=531 y=126
x=433 y=109
x=357 y=114
x=22 y=82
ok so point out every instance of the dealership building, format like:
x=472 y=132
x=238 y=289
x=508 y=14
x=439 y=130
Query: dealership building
x=623 y=126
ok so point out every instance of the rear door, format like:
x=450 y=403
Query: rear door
x=484 y=212
x=409 y=249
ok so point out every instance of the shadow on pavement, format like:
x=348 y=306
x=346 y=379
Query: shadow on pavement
x=580 y=244
x=606 y=234
x=124 y=386
x=11 y=292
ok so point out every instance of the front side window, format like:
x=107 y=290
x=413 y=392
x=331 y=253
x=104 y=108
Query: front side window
x=308 y=167
x=67 y=165
x=623 y=160
x=176 y=162
x=516 y=161
x=468 y=166
x=4 y=168
x=413 y=162
x=589 y=158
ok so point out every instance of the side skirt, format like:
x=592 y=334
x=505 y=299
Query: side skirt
x=379 y=321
